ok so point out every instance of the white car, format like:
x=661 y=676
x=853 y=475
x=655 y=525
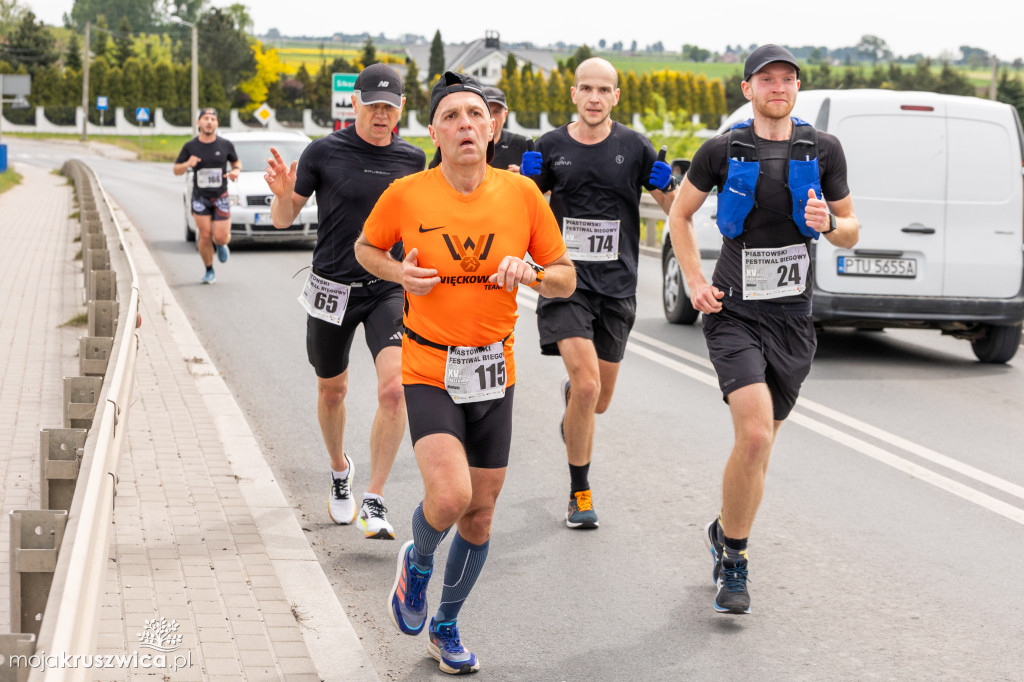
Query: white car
x=249 y=195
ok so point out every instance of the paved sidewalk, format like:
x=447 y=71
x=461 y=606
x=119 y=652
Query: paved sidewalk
x=203 y=534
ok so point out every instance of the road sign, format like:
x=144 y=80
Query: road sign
x=342 y=87
x=15 y=85
x=142 y=114
x=262 y=114
x=101 y=103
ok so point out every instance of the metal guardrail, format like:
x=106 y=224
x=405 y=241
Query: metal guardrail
x=70 y=622
x=650 y=215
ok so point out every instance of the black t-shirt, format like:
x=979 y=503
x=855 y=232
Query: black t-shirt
x=208 y=177
x=348 y=175
x=507 y=151
x=600 y=181
x=770 y=223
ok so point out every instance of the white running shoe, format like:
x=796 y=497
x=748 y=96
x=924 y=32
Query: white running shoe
x=340 y=505
x=373 y=520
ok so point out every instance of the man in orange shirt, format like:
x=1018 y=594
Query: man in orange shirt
x=466 y=228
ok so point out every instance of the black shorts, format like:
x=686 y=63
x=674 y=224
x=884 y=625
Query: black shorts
x=748 y=344
x=484 y=428
x=328 y=345
x=218 y=208
x=604 y=320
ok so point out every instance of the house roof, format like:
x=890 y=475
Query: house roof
x=466 y=55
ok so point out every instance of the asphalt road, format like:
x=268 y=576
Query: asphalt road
x=888 y=545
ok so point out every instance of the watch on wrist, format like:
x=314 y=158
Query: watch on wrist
x=539 y=273
x=831 y=224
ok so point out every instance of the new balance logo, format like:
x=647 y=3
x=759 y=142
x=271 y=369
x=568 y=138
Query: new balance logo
x=382 y=84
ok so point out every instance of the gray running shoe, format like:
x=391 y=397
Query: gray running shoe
x=580 y=513
x=733 y=596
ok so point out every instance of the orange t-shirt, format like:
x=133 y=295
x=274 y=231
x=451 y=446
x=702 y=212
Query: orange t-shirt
x=463 y=237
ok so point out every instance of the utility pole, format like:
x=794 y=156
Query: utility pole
x=85 y=87
x=995 y=76
x=195 y=68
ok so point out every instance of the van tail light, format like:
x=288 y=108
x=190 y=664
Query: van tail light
x=916 y=107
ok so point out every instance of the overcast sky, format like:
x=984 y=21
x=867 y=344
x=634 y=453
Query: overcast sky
x=993 y=25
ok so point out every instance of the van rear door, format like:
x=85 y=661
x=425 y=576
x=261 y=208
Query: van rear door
x=983 y=219
x=895 y=146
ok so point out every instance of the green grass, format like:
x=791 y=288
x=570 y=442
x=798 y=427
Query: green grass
x=645 y=63
x=79 y=320
x=8 y=179
x=159 y=148
x=423 y=143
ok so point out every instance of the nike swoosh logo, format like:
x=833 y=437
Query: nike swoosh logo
x=429 y=229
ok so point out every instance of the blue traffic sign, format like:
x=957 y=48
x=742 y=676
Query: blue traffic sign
x=142 y=114
x=101 y=103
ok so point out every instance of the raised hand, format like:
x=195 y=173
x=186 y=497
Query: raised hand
x=279 y=175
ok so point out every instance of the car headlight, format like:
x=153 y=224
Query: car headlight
x=234 y=200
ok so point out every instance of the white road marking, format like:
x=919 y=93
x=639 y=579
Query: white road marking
x=846 y=439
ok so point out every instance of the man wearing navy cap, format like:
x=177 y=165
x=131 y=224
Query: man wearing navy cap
x=781 y=185
x=348 y=170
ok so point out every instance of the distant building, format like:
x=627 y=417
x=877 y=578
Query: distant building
x=483 y=58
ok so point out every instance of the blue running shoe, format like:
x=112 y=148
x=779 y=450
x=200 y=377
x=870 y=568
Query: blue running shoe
x=445 y=646
x=407 y=604
x=732 y=586
x=209 y=277
x=715 y=547
x=222 y=252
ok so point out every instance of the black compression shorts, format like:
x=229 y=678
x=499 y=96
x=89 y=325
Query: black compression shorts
x=328 y=345
x=484 y=428
x=750 y=345
x=604 y=320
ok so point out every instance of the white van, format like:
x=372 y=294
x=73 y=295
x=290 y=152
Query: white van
x=937 y=185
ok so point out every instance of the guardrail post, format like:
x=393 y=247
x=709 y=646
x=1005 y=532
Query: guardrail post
x=36 y=535
x=94 y=259
x=60 y=457
x=20 y=645
x=94 y=240
x=80 y=397
x=652 y=232
x=102 y=318
x=102 y=284
x=94 y=354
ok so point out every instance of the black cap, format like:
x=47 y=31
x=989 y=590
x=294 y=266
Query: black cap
x=207 y=110
x=494 y=94
x=450 y=82
x=765 y=55
x=379 y=83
